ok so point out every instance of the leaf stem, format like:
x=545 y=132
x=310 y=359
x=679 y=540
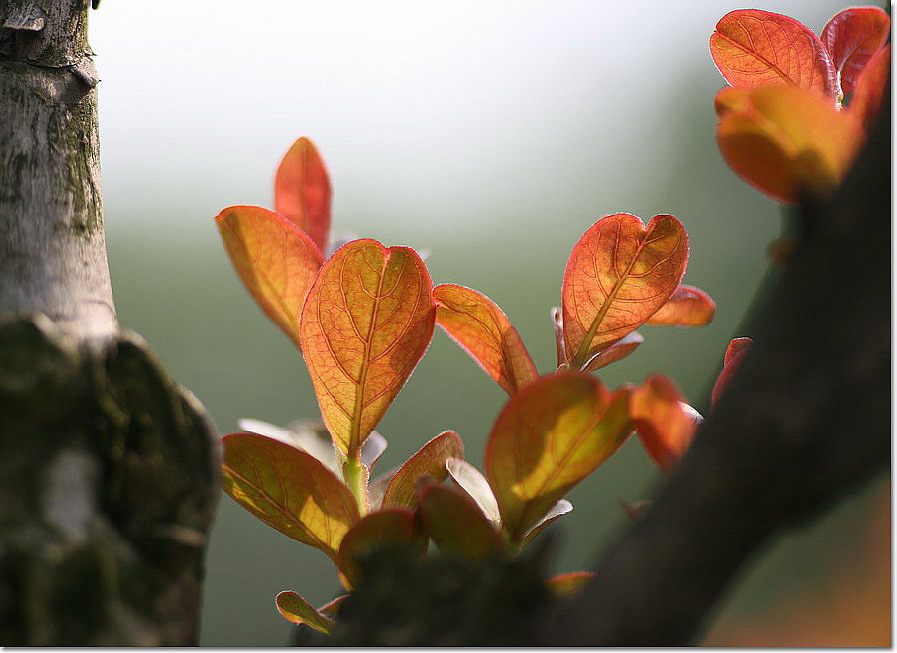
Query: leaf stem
x=356 y=475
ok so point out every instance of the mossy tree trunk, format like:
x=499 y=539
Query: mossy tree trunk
x=108 y=470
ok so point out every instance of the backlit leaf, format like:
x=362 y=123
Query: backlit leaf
x=311 y=440
x=456 y=524
x=276 y=261
x=557 y=511
x=367 y=321
x=784 y=141
x=687 y=306
x=297 y=610
x=469 y=480
x=870 y=87
x=302 y=191
x=620 y=349
x=549 y=436
x=663 y=422
x=735 y=352
x=330 y=608
x=428 y=461
x=376 y=529
x=289 y=490
x=619 y=274
x=565 y=585
x=753 y=48
x=851 y=37
x=480 y=327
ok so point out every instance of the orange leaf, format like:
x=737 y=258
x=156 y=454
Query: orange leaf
x=276 y=261
x=481 y=328
x=851 y=37
x=688 y=306
x=784 y=141
x=548 y=437
x=870 y=87
x=663 y=424
x=570 y=583
x=619 y=274
x=428 y=461
x=302 y=191
x=376 y=529
x=735 y=352
x=289 y=490
x=297 y=610
x=753 y=48
x=620 y=349
x=456 y=523
x=367 y=321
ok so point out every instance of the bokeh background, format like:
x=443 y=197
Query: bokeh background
x=493 y=134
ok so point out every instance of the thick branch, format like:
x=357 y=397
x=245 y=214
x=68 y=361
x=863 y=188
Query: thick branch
x=52 y=250
x=805 y=421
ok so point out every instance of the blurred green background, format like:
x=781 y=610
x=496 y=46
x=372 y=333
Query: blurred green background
x=493 y=134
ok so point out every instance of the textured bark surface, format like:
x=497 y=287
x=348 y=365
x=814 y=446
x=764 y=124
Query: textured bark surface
x=52 y=250
x=108 y=470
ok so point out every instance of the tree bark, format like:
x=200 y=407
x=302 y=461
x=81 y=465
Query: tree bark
x=108 y=469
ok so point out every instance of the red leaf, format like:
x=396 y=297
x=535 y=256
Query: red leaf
x=570 y=583
x=752 y=48
x=289 y=490
x=456 y=523
x=481 y=328
x=870 y=87
x=735 y=352
x=664 y=426
x=368 y=320
x=276 y=261
x=548 y=437
x=302 y=191
x=688 y=307
x=376 y=529
x=852 y=37
x=619 y=274
x=428 y=461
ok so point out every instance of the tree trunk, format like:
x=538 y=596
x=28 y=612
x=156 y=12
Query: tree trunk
x=108 y=470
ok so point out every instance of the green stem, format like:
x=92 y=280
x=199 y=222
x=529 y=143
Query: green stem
x=356 y=475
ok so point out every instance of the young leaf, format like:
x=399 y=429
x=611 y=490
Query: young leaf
x=688 y=307
x=276 y=261
x=302 y=191
x=620 y=349
x=557 y=319
x=367 y=321
x=619 y=274
x=481 y=328
x=870 y=87
x=557 y=511
x=663 y=423
x=735 y=352
x=548 y=437
x=565 y=585
x=330 y=608
x=753 y=48
x=784 y=141
x=316 y=442
x=469 y=479
x=851 y=37
x=428 y=461
x=297 y=610
x=289 y=490
x=376 y=529
x=456 y=524
x=373 y=447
